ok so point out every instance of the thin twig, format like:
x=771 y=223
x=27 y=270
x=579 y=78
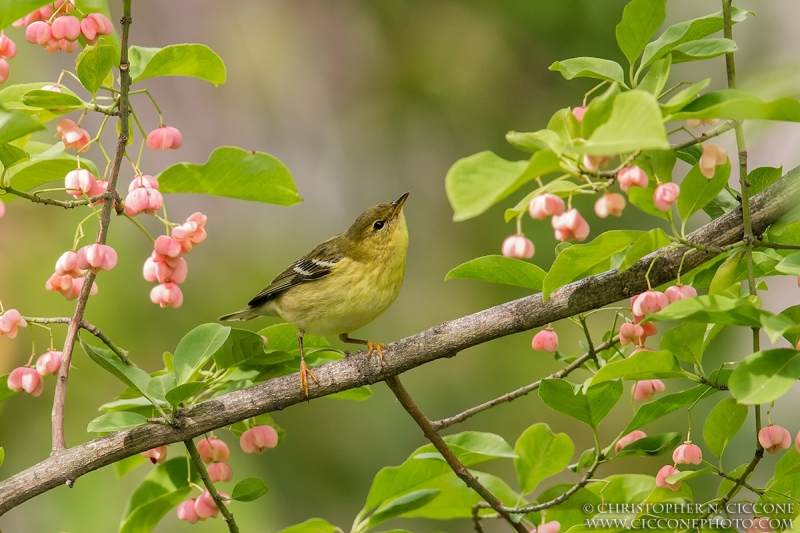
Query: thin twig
x=776 y=245
x=728 y=126
x=88 y=326
x=212 y=490
x=57 y=417
x=66 y=204
x=441 y=446
x=522 y=391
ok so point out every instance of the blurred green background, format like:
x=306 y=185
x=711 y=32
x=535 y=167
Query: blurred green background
x=362 y=101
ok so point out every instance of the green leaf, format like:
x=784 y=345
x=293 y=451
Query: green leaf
x=785 y=479
x=564 y=123
x=5 y=392
x=690 y=30
x=653 y=445
x=664 y=405
x=534 y=141
x=726 y=273
x=722 y=423
x=196 y=348
x=721 y=204
x=702 y=49
x=685 y=341
x=159 y=385
x=194 y=60
x=739 y=105
x=697 y=190
x=130 y=374
x=46 y=164
x=656 y=78
x=16 y=124
x=640 y=21
x=405 y=503
x=475 y=183
x=11 y=155
x=624 y=488
x=685 y=96
x=574 y=510
x=726 y=485
x=233 y=173
x=164 y=487
x=599 y=111
x=358 y=394
x=52 y=100
x=590 y=407
x=635 y=124
x=790 y=264
x=762 y=177
x=11 y=98
x=312 y=525
x=499 y=269
x=249 y=489
x=240 y=346
x=146 y=517
x=116 y=421
x=689 y=474
x=2 y=455
x=590 y=67
x=12 y=10
x=765 y=376
x=579 y=261
x=711 y=310
x=542 y=454
x=183 y=392
x=641 y=365
x=642 y=197
x=93 y=65
x=128 y=464
x=470 y=447
x=649 y=242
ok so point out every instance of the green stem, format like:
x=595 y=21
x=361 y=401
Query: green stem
x=201 y=469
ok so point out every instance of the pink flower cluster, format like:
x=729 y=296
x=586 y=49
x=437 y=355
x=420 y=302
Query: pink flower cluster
x=7 y=51
x=72 y=266
x=166 y=265
x=164 y=138
x=72 y=135
x=30 y=380
x=55 y=29
x=143 y=196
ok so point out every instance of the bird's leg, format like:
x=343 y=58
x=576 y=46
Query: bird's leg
x=304 y=370
x=371 y=346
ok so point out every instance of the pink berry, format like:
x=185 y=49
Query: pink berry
x=220 y=472
x=774 y=438
x=545 y=205
x=518 y=246
x=258 y=438
x=5 y=69
x=712 y=157
x=665 y=195
x=167 y=295
x=609 y=204
x=205 y=507
x=545 y=340
x=631 y=333
x=696 y=122
x=633 y=436
x=77 y=286
x=7 y=47
x=570 y=226
x=679 y=292
x=186 y=512
x=644 y=390
x=95 y=24
x=72 y=135
x=156 y=455
x=163 y=273
x=578 y=112
x=49 y=362
x=665 y=472
x=26 y=379
x=140 y=181
x=554 y=526
x=66 y=27
x=52 y=88
x=593 y=162
x=213 y=450
x=760 y=524
x=97 y=257
x=67 y=265
x=632 y=176
x=168 y=246
x=649 y=302
x=10 y=321
x=79 y=182
x=191 y=232
x=687 y=454
x=2 y=209
x=38 y=32
x=143 y=200
x=164 y=138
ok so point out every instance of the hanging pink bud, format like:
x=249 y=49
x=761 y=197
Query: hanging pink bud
x=186 y=512
x=62 y=284
x=7 y=47
x=696 y=122
x=77 y=286
x=164 y=138
x=163 y=273
x=797 y=438
x=79 y=182
x=545 y=205
x=168 y=246
x=67 y=265
x=609 y=204
x=518 y=246
x=665 y=472
x=145 y=181
x=156 y=455
x=545 y=340
x=97 y=257
x=593 y=162
x=632 y=176
x=2 y=209
x=191 y=232
x=679 y=292
x=26 y=379
x=774 y=438
x=649 y=302
x=5 y=70
x=570 y=226
x=10 y=321
x=644 y=390
x=66 y=27
x=38 y=32
x=94 y=25
x=554 y=526
x=143 y=200
x=687 y=454
x=631 y=333
x=49 y=362
x=213 y=450
x=167 y=295
x=258 y=438
x=205 y=507
x=631 y=437
x=72 y=135
x=665 y=195
x=712 y=157
x=52 y=88
x=578 y=113
x=219 y=472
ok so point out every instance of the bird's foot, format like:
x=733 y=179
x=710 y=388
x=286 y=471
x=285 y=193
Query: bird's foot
x=305 y=372
x=376 y=347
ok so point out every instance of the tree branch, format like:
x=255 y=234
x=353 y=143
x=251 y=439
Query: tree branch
x=212 y=490
x=444 y=340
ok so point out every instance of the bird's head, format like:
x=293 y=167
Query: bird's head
x=380 y=229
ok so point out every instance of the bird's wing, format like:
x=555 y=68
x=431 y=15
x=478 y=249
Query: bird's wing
x=315 y=265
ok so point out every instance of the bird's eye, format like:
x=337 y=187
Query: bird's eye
x=378 y=225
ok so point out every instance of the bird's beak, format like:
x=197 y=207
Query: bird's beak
x=398 y=205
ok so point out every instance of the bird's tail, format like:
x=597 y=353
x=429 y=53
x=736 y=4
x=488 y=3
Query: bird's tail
x=248 y=313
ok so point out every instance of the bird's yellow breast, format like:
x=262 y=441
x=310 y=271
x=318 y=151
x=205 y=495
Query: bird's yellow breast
x=351 y=296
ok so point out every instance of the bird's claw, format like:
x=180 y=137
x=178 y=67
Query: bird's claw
x=376 y=347
x=304 y=373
